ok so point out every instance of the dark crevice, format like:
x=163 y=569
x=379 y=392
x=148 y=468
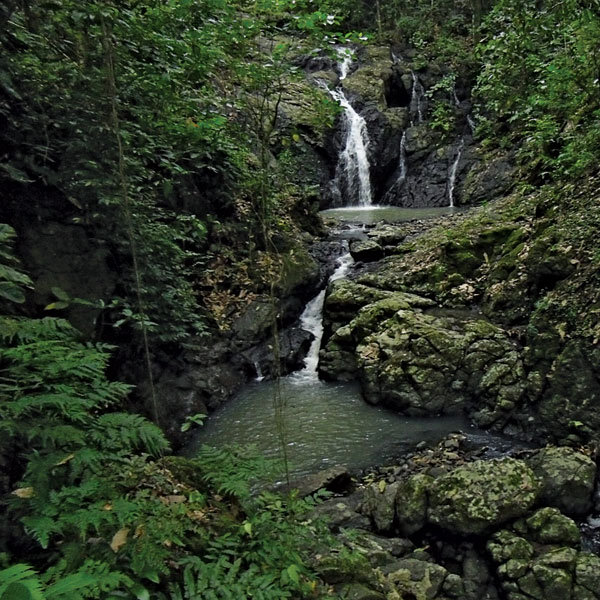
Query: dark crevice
x=396 y=95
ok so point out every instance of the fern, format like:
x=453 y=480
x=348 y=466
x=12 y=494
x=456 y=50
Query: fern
x=20 y=578
x=93 y=579
x=232 y=469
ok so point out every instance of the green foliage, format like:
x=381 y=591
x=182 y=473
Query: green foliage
x=540 y=83
x=243 y=562
x=12 y=280
x=232 y=469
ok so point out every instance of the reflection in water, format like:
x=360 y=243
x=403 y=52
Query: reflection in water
x=391 y=214
x=327 y=424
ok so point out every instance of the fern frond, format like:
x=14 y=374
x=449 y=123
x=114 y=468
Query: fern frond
x=114 y=431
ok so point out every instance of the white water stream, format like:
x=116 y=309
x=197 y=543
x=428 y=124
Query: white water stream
x=454 y=171
x=312 y=320
x=416 y=100
x=353 y=163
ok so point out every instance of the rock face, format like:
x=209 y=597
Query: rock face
x=426 y=365
x=481 y=496
x=64 y=256
x=411 y=164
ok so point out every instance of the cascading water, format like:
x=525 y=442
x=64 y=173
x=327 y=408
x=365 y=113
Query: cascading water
x=416 y=100
x=471 y=123
x=312 y=320
x=352 y=172
x=456 y=100
x=454 y=171
x=403 y=165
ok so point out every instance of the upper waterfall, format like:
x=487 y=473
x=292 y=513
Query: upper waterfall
x=352 y=173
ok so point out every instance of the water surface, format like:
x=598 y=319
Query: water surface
x=391 y=214
x=327 y=424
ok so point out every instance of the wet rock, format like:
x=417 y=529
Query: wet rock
x=568 y=478
x=482 y=495
x=336 y=479
x=366 y=251
x=65 y=256
x=488 y=180
x=293 y=346
x=255 y=321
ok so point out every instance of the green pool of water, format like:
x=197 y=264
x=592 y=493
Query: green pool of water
x=327 y=424
x=391 y=214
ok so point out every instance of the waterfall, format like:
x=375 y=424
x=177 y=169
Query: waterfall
x=470 y=120
x=259 y=374
x=352 y=169
x=416 y=100
x=403 y=166
x=454 y=171
x=471 y=123
x=312 y=320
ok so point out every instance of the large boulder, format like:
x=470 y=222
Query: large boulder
x=482 y=496
x=423 y=364
x=418 y=579
x=338 y=356
x=568 y=479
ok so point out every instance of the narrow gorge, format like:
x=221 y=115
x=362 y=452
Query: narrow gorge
x=299 y=300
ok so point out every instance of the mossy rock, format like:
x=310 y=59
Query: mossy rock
x=366 y=251
x=345 y=567
x=568 y=479
x=380 y=504
x=411 y=503
x=299 y=270
x=412 y=356
x=505 y=546
x=357 y=591
x=550 y=526
x=416 y=579
x=482 y=496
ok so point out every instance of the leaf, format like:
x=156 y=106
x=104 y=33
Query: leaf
x=62 y=589
x=26 y=492
x=60 y=294
x=382 y=485
x=11 y=292
x=65 y=460
x=119 y=539
x=56 y=305
x=292 y=572
x=248 y=527
x=27 y=590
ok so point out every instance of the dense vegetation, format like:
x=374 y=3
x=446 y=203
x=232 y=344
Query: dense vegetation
x=154 y=124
